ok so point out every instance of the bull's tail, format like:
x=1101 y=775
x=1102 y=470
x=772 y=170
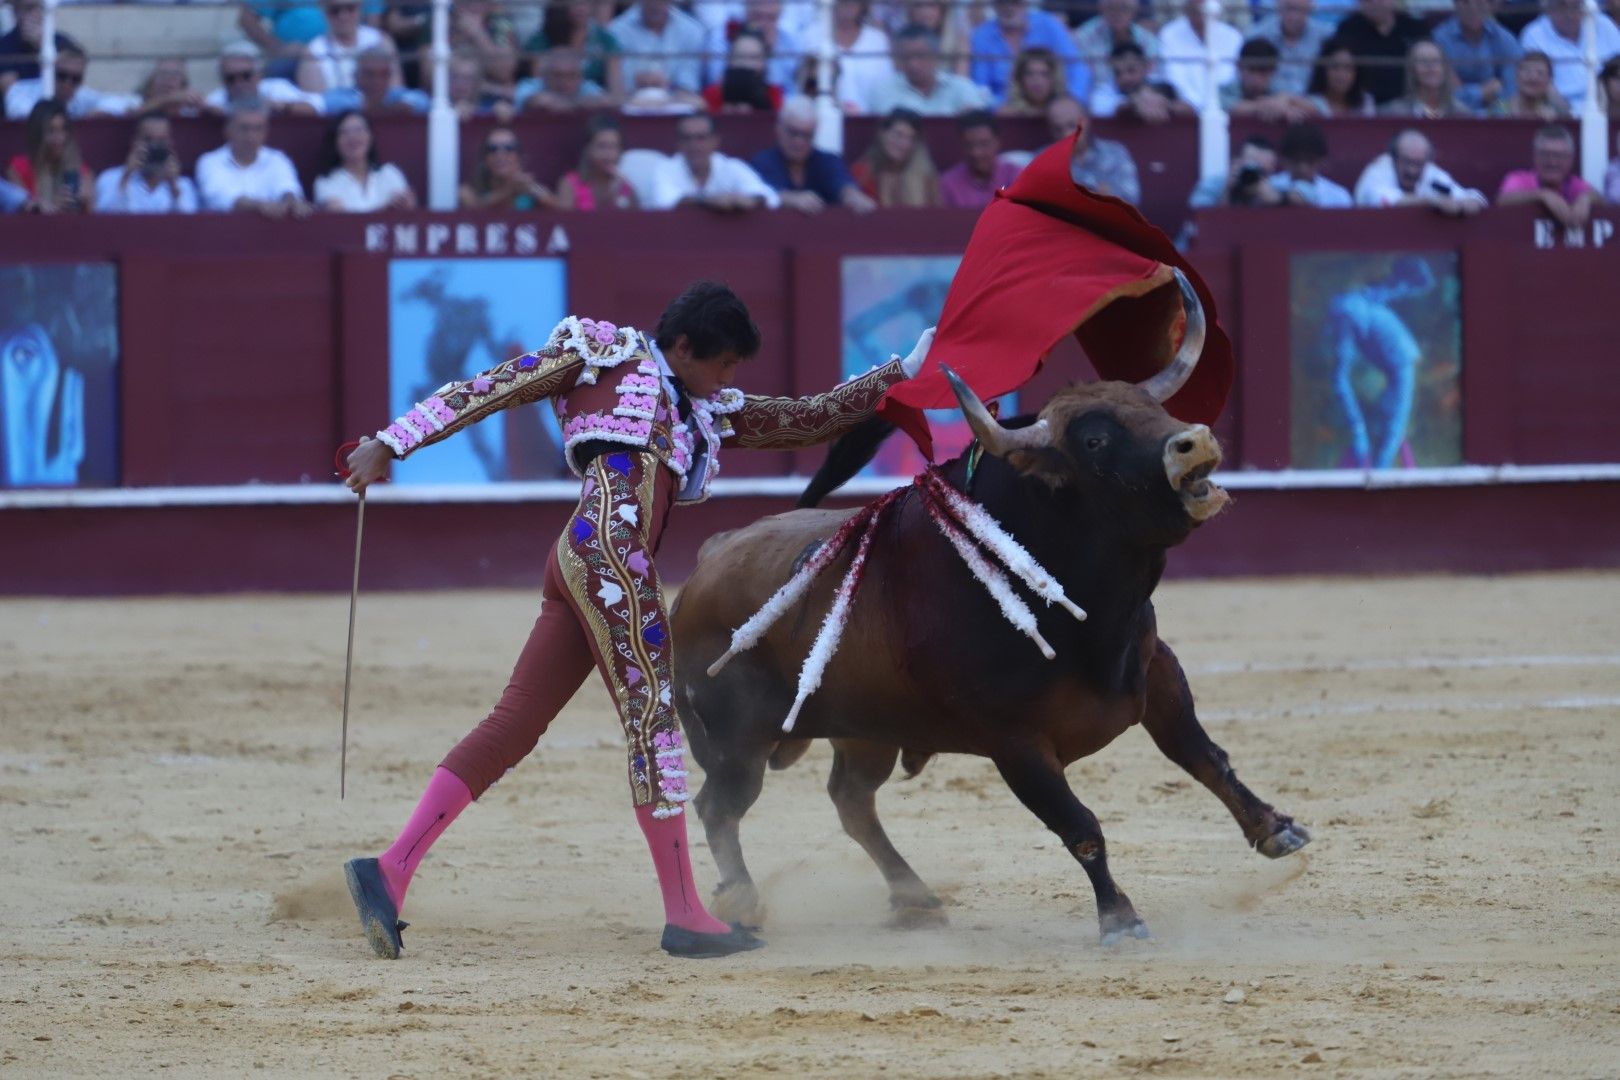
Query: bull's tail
x=787 y=752
x=912 y=761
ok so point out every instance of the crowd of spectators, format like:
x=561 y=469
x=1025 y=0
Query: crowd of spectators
x=1291 y=65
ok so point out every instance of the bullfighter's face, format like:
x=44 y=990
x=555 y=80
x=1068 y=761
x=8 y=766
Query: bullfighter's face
x=706 y=377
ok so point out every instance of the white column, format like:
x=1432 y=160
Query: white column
x=47 y=53
x=444 y=126
x=1214 y=134
x=1594 y=124
x=829 y=115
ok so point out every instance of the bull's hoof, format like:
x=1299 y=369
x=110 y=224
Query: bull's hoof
x=738 y=903
x=1285 y=841
x=912 y=916
x=1117 y=928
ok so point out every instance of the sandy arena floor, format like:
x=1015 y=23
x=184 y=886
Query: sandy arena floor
x=172 y=899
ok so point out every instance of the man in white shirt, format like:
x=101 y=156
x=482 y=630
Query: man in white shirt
x=241 y=78
x=1408 y=176
x=1182 y=50
x=149 y=182
x=919 y=85
x=245 y=174
x=699 y=175
x=82 y=101
x=1560 y=34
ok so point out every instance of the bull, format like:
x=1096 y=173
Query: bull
x=1097 y=489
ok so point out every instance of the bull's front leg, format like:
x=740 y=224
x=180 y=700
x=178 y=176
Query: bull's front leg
x=1173 y=723
x=1036 y=777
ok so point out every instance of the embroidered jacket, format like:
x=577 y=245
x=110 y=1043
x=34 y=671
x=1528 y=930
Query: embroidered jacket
x=610 y=383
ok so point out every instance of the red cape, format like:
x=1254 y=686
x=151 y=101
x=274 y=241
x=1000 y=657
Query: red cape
x=1050 y=258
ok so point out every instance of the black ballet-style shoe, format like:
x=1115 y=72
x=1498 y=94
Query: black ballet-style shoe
x=378 y=916
x=691 y=945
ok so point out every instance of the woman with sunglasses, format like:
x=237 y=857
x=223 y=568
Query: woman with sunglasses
x=501 y=182
x=645 y=417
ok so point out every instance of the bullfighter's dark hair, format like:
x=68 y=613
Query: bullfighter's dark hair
x=713 y=319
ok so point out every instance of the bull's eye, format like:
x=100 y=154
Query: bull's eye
x=1095 y=442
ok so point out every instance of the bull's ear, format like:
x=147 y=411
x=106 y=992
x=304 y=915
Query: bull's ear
x=1044 y=463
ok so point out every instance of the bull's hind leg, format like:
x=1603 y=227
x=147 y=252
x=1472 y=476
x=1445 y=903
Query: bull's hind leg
x=1173 y=723
x=859 y=769
x=733 y=775
x=1036 y=777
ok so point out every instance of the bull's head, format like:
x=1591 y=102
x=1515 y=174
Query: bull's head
x=1111 y=438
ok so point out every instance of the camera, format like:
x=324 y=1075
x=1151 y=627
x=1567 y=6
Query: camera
x=1247 y=177
x=157 y=156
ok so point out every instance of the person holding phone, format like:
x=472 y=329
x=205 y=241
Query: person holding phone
x=149 y=181
x=52 y=171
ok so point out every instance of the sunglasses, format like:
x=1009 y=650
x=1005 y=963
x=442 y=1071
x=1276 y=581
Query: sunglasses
x=501 y=148
x=798 y=133
x=245 y=75
x=75 y=77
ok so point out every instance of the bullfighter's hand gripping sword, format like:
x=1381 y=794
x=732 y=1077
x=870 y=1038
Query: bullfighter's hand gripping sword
x=354 y=599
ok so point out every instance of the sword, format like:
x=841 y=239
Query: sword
x=354 y=601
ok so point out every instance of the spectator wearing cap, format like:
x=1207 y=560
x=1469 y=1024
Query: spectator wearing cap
x=1129 y=95
x=328 y=61
x=19 y=46
x=663 y=48
x=242 y=78
x=1183 y=44
x=1300 y=182
x=699 y=175
x=80 y=100
x=1253 y=94
x=1298 y=38
x=1378 y=35
x=245 y=175
x=919 y=86
x=1016 y=25
x=1114 y=25
x=1534 y=95
x=1551 y=182
x=1558 y=33
x=352 y=178
x=1482 y=53
x=149 y=181
x=1102 y=165
x=1429 y=87
x=807 y=179
x=972 y=182
x=1406 y=175
x=376 y=88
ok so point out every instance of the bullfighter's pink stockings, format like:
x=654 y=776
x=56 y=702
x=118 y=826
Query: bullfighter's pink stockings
x=447 y=795
x=666 y=840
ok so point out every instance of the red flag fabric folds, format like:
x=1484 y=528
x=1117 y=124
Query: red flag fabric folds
x=1049 y=258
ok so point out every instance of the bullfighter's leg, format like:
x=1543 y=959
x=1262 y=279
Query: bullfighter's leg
x=1036 y=777
x=1172 y=721
x=859 y=769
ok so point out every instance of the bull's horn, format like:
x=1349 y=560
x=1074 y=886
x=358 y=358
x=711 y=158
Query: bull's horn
x=1175 y=375
x=992 y=436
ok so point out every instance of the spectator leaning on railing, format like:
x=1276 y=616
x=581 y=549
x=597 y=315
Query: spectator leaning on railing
x=149 y=181
x=500 y=182
x=1482 y=53
x=1558 y=33
x=897 y=169
x=1533 y=96
x=19 y=47
x=699 y=175
x=1406 y=175
x=352 y=179
x=919 y=85
x=1300 y=183
x=972 y=182
x=1551 y=182
x=1129 y=95
x=1298 y=38
x=1183 y=48
x=1014 y=27
x=242 y=78
x=807 y=179
x=52 y=171
x=1114 y=25
x=1248 y=180
x=81 y=101
x=1378 y=36
x=245 y=175
x=1429 y=87
x=597 y=183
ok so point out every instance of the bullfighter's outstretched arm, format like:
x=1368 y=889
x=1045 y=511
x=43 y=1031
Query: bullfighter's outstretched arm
x=784 y=423
x=575 y=352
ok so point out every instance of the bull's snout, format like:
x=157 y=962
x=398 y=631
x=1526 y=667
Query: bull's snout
x=1190 y=455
